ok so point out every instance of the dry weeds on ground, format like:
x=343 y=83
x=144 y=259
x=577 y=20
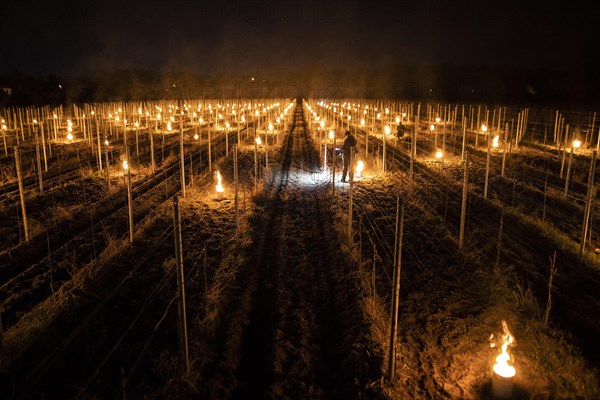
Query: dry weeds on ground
x=450 y=304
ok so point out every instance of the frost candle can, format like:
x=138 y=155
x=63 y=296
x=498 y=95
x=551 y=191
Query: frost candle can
x=502 y=387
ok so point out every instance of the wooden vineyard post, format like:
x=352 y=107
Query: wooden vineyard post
x=183 y=339
x=504 y=150
x=152 y=162
x=226 y=141
x=255 y=160
x=21 y=194
x=129 y=198
x=236 y=199
x=181 y=160
x=396 y=288
x=106 y=163
x=588 y=202
x=44 y=149
x=351 y=176
x=487 y=169
x=463 y=208
x=464 y=137
x=333 y=159
x=383 y=135
x=413 y=152
x=562 y=164
x=210 y=150
x=99 y=146
x=39 y=161
x=566 y=190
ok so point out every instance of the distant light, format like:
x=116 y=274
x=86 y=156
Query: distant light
x=387 y=130
x=106 y=142
x=196 y=136
x=483 y=128
x=576 y=143
x=432 y=127
x=69 y=136
x=331 y=135
x=258 y=141
x=397 y=120
x=125 y=165
x=437 y=120
x=439 y=154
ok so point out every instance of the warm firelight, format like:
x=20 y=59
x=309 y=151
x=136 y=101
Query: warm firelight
x=219 y=186
x=360 y=166
x=495 y=141
x=125 y=165
x=502 y=367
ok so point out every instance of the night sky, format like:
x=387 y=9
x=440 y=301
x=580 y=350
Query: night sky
x=248 y=36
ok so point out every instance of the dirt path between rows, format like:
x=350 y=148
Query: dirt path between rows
x=302 y=330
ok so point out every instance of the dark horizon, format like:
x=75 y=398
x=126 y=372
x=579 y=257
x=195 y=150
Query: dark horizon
x=492 y=51
x=212 y=37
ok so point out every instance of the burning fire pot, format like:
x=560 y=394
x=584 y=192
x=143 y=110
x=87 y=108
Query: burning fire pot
x=219 y=186
x=504 y=374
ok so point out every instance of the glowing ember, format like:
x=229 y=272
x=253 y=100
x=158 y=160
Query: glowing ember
x=360 y=166
x=106 y=142
x=219 y=186
x=502 y=368
x=495 y=141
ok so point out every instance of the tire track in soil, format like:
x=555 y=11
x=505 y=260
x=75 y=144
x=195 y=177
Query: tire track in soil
x=292 y=346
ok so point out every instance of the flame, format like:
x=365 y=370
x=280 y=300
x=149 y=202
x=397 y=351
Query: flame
x=219 y=186
x=360 y=166
x=502 y=368
x=125 y=165
x=495 y=141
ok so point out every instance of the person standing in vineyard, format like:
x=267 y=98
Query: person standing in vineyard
x=347 y=148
